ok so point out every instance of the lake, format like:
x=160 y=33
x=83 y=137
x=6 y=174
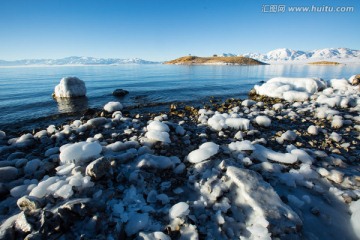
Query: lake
x=25 y=92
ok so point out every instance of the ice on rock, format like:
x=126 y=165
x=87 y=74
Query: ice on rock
x=158 y=131
x=262 y=154
x=223 y=121
x=337 y=122
x=251 y=190
x=158 y=136
x=238 y=123
x=136 y=223
x=302 y=156
x=154 y=236
x=248 y=103
x=80 y=152
x=335 y=137
x=263 y=121
x=113 y=106
x=355 y=217
x=2 y=135
x=289 y=136
x=189 y=232
x=153 y=161
x=70 y=87
x=41 y=189
x=179 y=210
x=64 y=192
x=290 y=89
x=158 y=126
x=241 y=146
x=313 y=130
x=122 y=146
x=205 y=151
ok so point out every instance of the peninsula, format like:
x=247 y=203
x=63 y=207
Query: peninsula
x=215 y=60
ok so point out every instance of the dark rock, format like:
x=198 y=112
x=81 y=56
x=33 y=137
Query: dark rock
x=98 y=168
x=120 y=92
x=8 y=174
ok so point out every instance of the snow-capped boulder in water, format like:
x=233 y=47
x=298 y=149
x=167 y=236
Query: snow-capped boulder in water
x=70 y=87
x=290 y=89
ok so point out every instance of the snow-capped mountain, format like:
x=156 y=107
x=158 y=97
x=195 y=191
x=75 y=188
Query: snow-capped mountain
x=284 y=55
x=76 y=61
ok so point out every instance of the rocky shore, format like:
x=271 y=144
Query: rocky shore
x=284 y=166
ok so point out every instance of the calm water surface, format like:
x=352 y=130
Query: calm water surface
x=25 y=92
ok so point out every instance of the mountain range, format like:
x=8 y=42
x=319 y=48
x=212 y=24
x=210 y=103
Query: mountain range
x=285 y=55
x=75 y=61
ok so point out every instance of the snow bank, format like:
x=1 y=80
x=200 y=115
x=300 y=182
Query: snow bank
x=70 y=87
x=205 y=151
x=290 y=89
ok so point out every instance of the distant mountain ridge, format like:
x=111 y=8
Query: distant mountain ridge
x=74 y=60
x=284 y=55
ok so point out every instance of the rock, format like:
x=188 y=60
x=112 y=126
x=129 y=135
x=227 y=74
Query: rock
x=29 y=203
x=8 y=173
x=120 y=92
x=356 y=80
x=70 y=87
x=98 y=168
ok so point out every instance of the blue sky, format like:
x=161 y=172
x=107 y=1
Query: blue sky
x=162 y=30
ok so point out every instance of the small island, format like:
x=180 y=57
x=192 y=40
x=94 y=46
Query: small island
x=215 y=60
x=325 y=63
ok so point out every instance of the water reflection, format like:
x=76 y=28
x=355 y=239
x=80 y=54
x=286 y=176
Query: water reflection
x=66 y=105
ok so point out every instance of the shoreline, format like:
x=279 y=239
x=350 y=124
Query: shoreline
x=148 y=163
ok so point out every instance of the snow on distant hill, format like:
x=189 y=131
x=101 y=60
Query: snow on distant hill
x=285 y=55
x=75 y=61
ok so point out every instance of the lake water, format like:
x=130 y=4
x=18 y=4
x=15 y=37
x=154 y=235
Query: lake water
x=25 y=92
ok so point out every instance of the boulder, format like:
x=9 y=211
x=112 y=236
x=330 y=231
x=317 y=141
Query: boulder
x=120 y=92
x=356 y=80
x=70 y=87
x=8 y=174
x=98 y=168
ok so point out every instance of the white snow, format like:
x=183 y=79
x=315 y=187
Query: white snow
x=313 y=130
x=205 y=151
x=158 y=131
x=179 y=210
x=113 y=106
x=262 y=154
x=241 y=146
x=80 y=152
x=290 y=89
x=70 y=87
x=355 y=217
x=263 y=121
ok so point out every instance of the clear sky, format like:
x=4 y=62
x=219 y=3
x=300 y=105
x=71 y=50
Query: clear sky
x=166 y=29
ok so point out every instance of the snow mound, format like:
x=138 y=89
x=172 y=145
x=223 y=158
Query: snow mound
x=70 y=87
x=262 y=154
x=113 y=106
x=205 y=151
x=290 y=89
x=80 y=152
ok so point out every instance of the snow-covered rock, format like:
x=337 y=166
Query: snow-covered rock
x=113 y=106
x=205 y=151
x=79 y=152
x=70 y=87
x=263 y=121
x=179 y=210
x=290 y=89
